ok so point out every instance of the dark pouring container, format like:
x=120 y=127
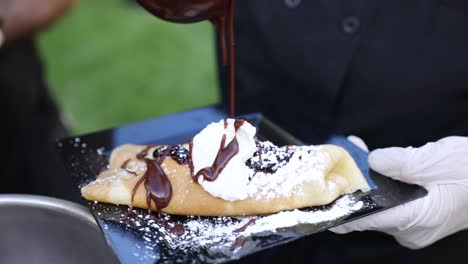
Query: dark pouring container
x=186 y=11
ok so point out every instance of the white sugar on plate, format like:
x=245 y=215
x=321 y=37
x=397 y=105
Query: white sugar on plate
x=342 y=207
x=222 y=232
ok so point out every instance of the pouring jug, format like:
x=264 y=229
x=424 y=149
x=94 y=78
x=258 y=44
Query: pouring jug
x=186 y=11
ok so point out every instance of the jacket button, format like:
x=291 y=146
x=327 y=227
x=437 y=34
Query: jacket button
x=351 y=25
x=292 y=3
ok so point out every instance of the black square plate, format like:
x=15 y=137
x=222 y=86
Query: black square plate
x=86 y=156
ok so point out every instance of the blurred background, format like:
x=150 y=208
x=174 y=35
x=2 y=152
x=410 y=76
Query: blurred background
x=110 y=62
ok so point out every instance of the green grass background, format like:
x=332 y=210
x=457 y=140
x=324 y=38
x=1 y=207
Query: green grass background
x=110 y=63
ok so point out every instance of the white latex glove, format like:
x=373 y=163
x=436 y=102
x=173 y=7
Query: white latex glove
x=442 y=168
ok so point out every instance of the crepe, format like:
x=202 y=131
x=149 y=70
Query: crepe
x=115 y=186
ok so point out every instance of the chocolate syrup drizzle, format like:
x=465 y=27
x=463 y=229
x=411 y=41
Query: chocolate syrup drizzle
x=157 y=184
x=259 y=147
x=190 y=162
x=124 y=167
x=144 y=152
x=224 y=155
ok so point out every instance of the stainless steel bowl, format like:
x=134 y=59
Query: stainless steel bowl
x=38 y=229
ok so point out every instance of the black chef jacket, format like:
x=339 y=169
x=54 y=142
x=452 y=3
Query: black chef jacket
x=394 y=72
x=30 y=124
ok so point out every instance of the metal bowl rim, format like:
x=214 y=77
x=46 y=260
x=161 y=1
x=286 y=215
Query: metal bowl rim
x=50 y=203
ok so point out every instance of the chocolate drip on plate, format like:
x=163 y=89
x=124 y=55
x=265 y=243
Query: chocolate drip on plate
x=178 y=230
x=240 y=241
x=244 y=227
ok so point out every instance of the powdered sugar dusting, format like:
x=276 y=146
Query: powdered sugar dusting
x=290 y=167
x=221 y=236
x=342 y=207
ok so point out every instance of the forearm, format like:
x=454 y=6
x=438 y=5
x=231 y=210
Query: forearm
x=23 y=18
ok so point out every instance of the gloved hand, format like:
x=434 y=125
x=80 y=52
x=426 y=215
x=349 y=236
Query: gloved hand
x=442 y=168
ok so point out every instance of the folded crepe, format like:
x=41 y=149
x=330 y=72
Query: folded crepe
x=220 y=173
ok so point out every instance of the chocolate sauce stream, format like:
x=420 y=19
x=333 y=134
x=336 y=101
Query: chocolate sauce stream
x=220 y=24
x=219 y=12
x=225 y=154
x=232 y=62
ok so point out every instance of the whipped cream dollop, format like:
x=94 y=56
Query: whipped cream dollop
x=232 y=181
x=259 y=169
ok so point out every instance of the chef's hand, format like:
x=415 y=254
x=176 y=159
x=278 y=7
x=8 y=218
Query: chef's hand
x=442 y=168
